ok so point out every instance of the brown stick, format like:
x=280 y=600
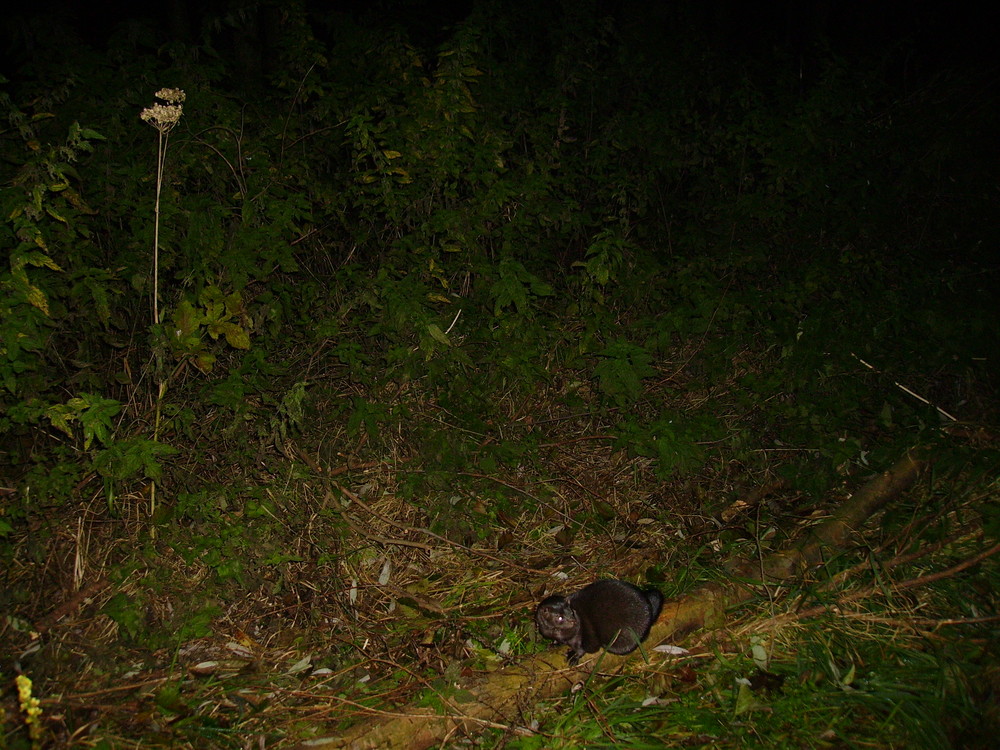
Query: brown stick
x=706 y=607
x=70 y=604
x=869 y=591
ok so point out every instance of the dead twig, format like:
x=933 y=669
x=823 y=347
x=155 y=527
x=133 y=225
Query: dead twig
x=870 y=591
x=418 y=530
x=71 y=604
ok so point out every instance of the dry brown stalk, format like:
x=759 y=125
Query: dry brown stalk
x=71 y=604
x=426 y=532
x=870 y=591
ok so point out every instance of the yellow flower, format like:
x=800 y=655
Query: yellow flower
x=31 y=708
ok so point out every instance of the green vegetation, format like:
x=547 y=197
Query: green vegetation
x=302 y=388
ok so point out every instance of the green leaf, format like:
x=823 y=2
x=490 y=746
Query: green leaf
x=435 y=331
x=125 y=613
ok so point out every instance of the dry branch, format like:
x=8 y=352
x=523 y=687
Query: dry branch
x=871 y=591
x=707 y=606
x=499 y=698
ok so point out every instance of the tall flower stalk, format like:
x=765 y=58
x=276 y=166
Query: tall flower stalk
x=163 y=117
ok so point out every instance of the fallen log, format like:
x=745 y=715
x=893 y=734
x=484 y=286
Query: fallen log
x=500 y=699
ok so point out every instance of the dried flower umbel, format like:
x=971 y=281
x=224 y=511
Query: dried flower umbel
x=163 y=117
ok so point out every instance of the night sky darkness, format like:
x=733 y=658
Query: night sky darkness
x=941 y=34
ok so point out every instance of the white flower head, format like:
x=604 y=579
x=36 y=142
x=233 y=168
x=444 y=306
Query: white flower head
x=171 y=96
x=164 y=117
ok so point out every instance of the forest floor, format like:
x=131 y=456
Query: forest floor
x=309 y=593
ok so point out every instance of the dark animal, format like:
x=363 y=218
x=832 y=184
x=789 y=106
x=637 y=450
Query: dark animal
x=614 y=615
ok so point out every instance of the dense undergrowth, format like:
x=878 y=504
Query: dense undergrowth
x=546 y=294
